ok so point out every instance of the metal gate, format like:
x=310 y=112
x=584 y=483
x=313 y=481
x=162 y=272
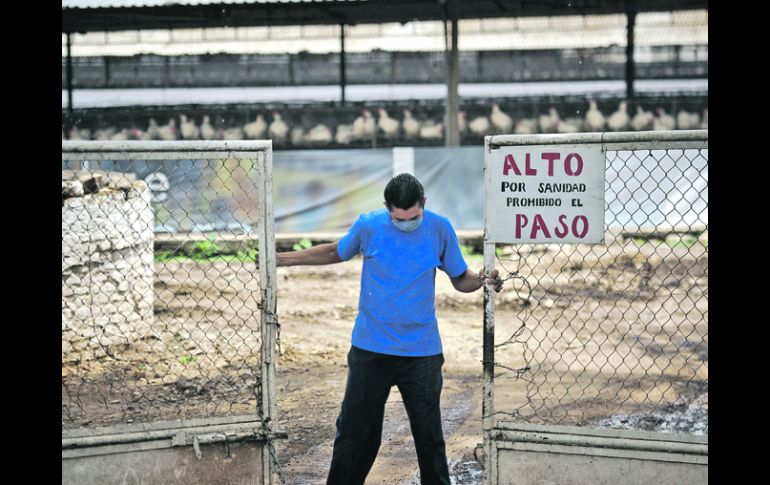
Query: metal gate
x=168 y=355
x=596 y=356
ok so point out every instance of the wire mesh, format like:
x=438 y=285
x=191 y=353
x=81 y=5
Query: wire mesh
x=153 y=328
x=615 y=334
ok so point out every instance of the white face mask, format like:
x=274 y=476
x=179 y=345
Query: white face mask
x=408 y=226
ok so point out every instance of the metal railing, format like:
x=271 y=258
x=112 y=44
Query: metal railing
x=614 y=334
x=179 y=334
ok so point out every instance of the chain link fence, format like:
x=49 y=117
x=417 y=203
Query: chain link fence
x=186 y=331
x=613 y=335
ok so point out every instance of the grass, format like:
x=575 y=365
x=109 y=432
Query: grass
x=207 y=251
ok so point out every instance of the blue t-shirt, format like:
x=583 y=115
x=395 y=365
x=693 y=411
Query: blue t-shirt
x=396 y=308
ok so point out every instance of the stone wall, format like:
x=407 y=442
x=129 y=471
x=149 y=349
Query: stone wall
x=107 y=262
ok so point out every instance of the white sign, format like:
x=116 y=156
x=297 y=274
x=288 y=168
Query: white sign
x=544 y=194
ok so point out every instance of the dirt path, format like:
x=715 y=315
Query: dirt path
x=315 y=336
x=615 y=302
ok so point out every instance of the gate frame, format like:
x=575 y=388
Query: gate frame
x=216 y=429
x=609 y=141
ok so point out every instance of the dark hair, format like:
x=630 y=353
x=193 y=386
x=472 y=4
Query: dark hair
x=403 y=192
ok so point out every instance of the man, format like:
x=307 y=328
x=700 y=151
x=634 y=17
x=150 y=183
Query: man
x=395 y=338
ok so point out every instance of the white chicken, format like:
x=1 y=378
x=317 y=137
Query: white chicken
x=432 y=131
x=642 y=120
x=168 y=131
x=344 y=134
x=297 y=136
x=364 y=127
x=594 y=118
x=256 y=129
x=235 y=133
x=479 y=125
x=619 y=120
x=548 y=123
x=278 y=128
x=319 y=134
x=567 y=126
x=525 y=126
x=663 y=121
x=411 y=125
x=153 y=130
x=188 y=128
x=207 y=131
x=687 y=121
x=500 y=120
x=388 y=125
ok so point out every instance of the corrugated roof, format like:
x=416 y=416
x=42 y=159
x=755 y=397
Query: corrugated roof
x=167 y=3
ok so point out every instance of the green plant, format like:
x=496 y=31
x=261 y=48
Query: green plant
x=471 y=251
x=250 y=255
x=686 y=241
x=186 y=359
x=206 y=249
x=303 y=244
x=466 y=250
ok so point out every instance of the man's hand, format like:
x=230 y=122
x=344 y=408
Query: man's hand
x=471 y=281
x=492 y=279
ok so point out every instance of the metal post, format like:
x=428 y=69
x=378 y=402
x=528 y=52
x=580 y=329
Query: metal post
x=269 y=320
x=630 y=55
x=69 y=74
x=342 y=61
x=488 y=352
x=488 y=383
x=453 y=78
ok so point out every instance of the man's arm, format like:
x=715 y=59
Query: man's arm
x=469 y=281
x=321 y=254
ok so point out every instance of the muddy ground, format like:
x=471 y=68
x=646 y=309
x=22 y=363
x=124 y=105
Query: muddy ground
x=587 y=313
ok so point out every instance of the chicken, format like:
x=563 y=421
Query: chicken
x=189 y=129
x=363 y=126
x=663 y=121
x=207 y=131
x=411 y=125
x=619 y=120
x=319 y=134
x=642 y=120
x=232 y=133
x=432 y=131
x=278 y=128
x=479 y=125
x=256 y=129
x=594 y=118
x=122 y=135
x=549 y=122
x=168 y=131
x=525 y=126
x=388 y=125
x=500 y=120
x=687 y=121
x=567 y=126
x=344 y=134
x=153 y=130
x=297 y=136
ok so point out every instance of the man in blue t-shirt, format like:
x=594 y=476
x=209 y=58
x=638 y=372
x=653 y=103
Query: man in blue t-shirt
x=395 y=338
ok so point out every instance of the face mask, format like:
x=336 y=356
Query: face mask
x=408 y=226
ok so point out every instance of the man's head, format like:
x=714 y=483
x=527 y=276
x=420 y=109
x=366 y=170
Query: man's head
x=404 y=198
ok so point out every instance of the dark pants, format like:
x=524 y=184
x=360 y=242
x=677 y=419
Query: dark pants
x=359 y=425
